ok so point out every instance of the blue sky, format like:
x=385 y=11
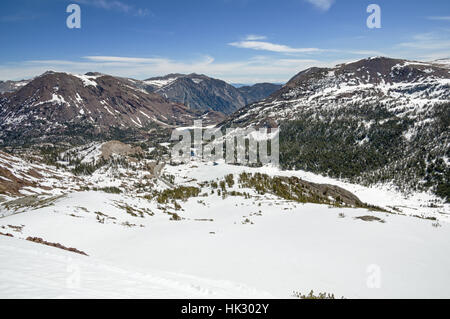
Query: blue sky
x=240 y=41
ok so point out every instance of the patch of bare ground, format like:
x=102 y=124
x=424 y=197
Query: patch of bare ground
x=119 y=148
x=371 y=219
x=10 y=184
x=38 y=240
x=31 y=201
x=6 y=234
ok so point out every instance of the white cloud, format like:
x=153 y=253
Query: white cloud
x=267 y=46
x=428 y=41
x=424 y=46
x=280 y=48
x=322 y=4
x=439 y=18
x=254 y=37
x=366 y=53
x=122 y=59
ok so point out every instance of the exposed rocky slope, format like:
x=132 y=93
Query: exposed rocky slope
x=201 y=92
x=198 y=92
x=19 y=177
x=56 y=105
x=259 y=91
x=72 y=108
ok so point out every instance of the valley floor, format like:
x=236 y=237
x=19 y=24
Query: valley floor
x=259 y=246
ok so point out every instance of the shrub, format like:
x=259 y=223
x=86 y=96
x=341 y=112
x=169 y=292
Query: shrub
x=111 y=190
x=311 y=295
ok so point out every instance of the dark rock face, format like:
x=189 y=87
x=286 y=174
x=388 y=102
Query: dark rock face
x=258 y=91
x=200 y=92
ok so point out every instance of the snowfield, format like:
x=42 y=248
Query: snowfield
x=259 y=246
x=34 y=271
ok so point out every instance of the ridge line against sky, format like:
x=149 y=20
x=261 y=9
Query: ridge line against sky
x=240 y=41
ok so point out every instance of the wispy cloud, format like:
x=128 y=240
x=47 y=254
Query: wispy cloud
x=428 y=41
x=121 y=59
x=366 y=52
x=273 y=47
x=254 y=37
x=322 y=4
x=116 y=5
x=425 y=46
x=442 y=18
x=284 y=49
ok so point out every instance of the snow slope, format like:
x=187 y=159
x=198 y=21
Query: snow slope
x=34 y=271
x=271 y=245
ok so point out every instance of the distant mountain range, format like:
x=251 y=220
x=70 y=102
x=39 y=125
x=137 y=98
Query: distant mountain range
x=59 y=105
x=200 y=92
x=197 y=92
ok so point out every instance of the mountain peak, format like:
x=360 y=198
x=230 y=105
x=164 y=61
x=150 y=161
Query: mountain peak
x=58 y=103
x=201 y=92
x=383 y=80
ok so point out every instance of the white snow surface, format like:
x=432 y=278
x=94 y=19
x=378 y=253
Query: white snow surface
x=214 y=253
x=87 y=80
x=44 y=272
x=161 y=83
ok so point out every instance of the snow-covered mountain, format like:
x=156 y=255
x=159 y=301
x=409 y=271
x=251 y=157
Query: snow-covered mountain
x=443 y=62
x=58 y=106
x=399 y=85
x=374 y=120
x=62 y=104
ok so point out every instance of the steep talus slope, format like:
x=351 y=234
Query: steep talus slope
x=374 y=120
